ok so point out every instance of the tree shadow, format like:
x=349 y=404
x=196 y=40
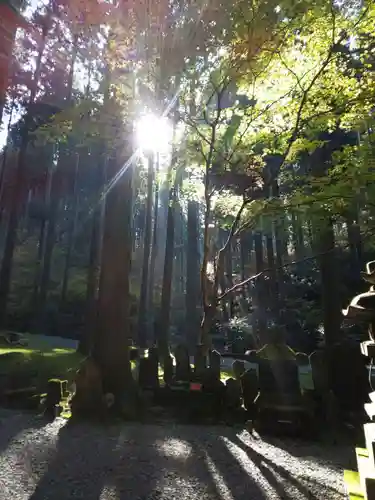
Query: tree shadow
x=270 y=469
x=195 y=459
x=12 y=423
x=339 y=454
x=81 y=463
x=164 y=461
x=150 y=462
x=241 y=483
x=122 y=461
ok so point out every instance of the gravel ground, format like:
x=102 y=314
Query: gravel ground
x=148 y=462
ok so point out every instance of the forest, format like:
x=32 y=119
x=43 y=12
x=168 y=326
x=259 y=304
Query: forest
x=187 y=171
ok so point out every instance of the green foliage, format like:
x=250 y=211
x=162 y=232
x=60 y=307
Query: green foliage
x=259 y=80
x=39 y=362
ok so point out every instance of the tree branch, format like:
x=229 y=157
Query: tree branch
x=267 y=270
x=272 y=269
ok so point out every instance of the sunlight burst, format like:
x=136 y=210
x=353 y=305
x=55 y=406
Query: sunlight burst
x=154 y=134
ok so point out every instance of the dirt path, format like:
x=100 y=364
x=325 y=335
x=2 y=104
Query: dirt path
x=146 y=462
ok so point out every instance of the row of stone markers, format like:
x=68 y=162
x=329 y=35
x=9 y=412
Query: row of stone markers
x=361 y=484
x=271 y=390
x=197 y=387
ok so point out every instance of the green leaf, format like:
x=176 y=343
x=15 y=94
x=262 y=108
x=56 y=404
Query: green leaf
x=231 y=130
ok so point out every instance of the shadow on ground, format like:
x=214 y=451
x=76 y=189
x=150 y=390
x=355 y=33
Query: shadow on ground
x=13 y=424
x=142 y=462
x=322 y=451
x=152 y=462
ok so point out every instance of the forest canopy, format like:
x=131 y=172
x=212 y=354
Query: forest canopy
x=172 y=166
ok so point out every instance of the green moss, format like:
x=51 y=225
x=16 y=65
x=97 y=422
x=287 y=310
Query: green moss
x=41 y=360
x=225 y=374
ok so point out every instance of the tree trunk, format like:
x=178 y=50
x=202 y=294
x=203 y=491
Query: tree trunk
x=206 y=303
x=222 y=237
x=163 y=323
x=4 y=159
x=281 y=242
x=297 y=232
x=310 y=235
x=161 y=230
x=260 y=293
x=247 y=245
x=154 y=250
x=182 y=260
x=192 y=276
x=142 y=317
x=18 y=187
x=281 y=247
x=330 y=280
x=179 y=269
x=272 y=288
x=229 y=277
x=86 y=340
x=11 y=235
x=71 y=230
x=42 y=231
x=273 y=282
x=355 y=244
x=110 y=349
x=50 y=238
x=64 y=157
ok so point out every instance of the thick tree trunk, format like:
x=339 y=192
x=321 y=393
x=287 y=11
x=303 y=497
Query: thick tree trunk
x=155 y=241
x=164 y=319
x=110 y=349
x=143 y=302
x=330 y=280
x=192 y=276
